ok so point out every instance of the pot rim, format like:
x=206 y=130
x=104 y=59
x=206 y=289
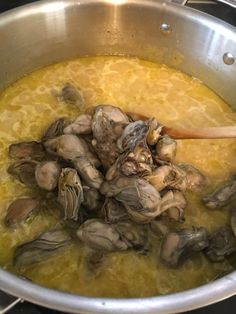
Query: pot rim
x=63 y=301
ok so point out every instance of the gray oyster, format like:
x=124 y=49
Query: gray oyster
x=70 y=193
x=154 y=133
x=178 y=245
x=113 y=211
x=46 y=245
x=91 y=176
x=19 y=210
x=221 y=196
x=112 y=237
x=94 y=261
x=133 y=192
x=136 y=162
x=69 y=146
x=47 y=174
x=24 y=171
x=233 y=221
x=72 y=95
x=173 y=204
x=92 y=199
x=195 y=179
x=222 y=243
x=81 y=125
x=168 y=176
x=133 y=134
x=27 y=150
x=107 y=123
x=159 y=227
x=166 y=148
x=55 y=129
x=101 y=236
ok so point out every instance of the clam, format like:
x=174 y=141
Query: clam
x=91 y=176
x=70 y=193
x=195 y=179
x=222 y=243
x=72 y=95
x=179 y=245
x=24 y=171
x=47 y=175
x=19 y=210
x=107 y=123
x=46 y=245
x=55 y=129
x=81 y=125
x=221 y=196
x=27 y=150
x=166 y=148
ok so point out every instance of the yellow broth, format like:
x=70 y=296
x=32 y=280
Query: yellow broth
x=175 y=99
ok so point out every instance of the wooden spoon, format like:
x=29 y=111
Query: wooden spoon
x=193 y=133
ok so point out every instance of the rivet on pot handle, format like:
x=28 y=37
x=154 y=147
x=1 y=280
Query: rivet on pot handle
x=231 y=3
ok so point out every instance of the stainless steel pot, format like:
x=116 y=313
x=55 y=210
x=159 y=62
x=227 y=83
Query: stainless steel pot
x=195 y=43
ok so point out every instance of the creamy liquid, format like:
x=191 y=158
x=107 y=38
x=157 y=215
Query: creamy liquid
x=175 y=99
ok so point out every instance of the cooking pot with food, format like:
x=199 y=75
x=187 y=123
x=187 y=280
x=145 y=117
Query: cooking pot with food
x=47 y=32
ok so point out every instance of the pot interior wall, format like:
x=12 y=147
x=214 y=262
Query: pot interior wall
x=50 y=31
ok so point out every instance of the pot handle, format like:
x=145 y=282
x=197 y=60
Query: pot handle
x=231 y=3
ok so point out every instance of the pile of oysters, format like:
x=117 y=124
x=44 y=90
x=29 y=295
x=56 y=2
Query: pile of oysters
x=113 y=178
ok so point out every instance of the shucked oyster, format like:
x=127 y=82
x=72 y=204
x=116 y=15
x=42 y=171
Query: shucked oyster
x=101 y=236
x=24 y=171
x=172 y=204
x=178 y=245
x=112 y=237
x=46 y=245
x=69 y=147
x=70 y=193
x=20 y=210
x=27 y=150
x=133 y=192
x=113 y=211
x=47 y=174
x=55 y=129
x=168 y=176
x=133 y=134
x=81 y=125
x=221 y=244
x=92 y=199
x=166 y=148
x=106 y=124
x=91 y=176
x=72 y=95
x=221 y=196
x=195 y=179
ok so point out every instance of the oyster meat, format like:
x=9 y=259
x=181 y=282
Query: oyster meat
x=166 y=148
x=19 y=210
x=178 y=245
x=47 y=174
x=221 y=196
x=24 y=171
x=27 y=150
x=81 y=125
x=70 y=193
x=46 y=245
x=55 y=129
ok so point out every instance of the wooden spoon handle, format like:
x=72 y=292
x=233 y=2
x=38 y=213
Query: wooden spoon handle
x=193 y=133
x=201 y=133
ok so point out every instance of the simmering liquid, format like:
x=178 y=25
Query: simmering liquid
x=175 y=99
